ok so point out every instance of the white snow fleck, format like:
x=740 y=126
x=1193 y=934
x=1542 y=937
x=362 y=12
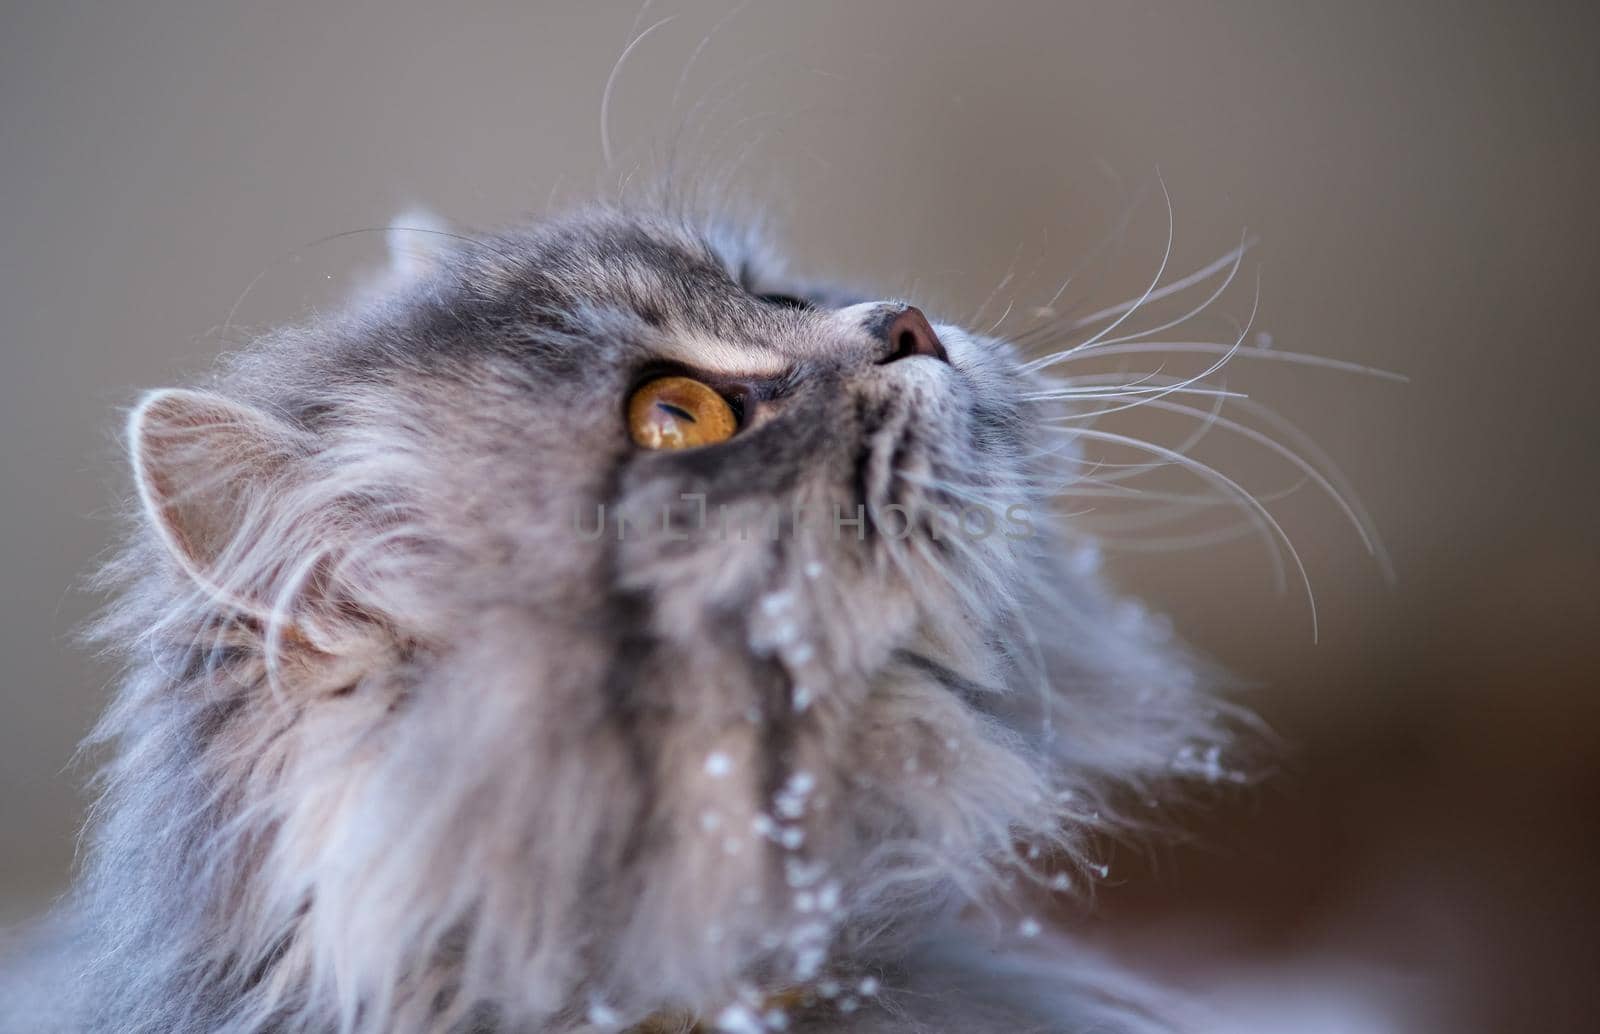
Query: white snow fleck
x=803 y=874
x=738 y=1019
x=602 y=1015
x=791 y=800
x=718 y=764
x=1029 y=927
x=868 y=986
x=807 y=962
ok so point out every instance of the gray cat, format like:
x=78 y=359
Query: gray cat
x=594 y=632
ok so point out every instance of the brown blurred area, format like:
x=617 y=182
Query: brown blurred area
x=1421 y=182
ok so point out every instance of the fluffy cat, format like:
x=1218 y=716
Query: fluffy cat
x=460 y=698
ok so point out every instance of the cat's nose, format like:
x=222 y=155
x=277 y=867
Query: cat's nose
x=909 y=335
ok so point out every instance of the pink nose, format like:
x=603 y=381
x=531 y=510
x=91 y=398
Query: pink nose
x=910 y=334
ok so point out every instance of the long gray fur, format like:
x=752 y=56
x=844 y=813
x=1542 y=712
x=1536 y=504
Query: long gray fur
x=400 y=748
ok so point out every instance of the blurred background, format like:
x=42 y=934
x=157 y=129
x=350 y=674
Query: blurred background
x=1420 y=182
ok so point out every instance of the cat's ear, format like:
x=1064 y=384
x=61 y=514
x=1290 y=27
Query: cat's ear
x=206 y=469
x=417 y=240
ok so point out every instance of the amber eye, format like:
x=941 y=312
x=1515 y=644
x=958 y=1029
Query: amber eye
x=679 y=413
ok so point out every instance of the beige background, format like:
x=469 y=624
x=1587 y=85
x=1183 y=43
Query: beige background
x=1420 y=176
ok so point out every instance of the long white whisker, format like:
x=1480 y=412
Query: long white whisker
x=1368 y=537
x=1099 y=380
x=1161 y=270
x=1192 y=313
x=1187 y=501
x=1186 y=446
x=638 y=17
x=1129 y=391
x=1212 y=348
x=683 y=77
x=1204 y=470
x=1203 y=273
x=968 y=492
x=996 y=324
x=1115 y=232
x=1011 y=273
x=1335 y=474
x=1178 y=543
x=611 y=83
x=1222 y=361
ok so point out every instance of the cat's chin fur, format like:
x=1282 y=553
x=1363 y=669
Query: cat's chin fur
x=398 y=750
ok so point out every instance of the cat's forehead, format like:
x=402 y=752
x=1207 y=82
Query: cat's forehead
x=693 y=291
x=664 y=268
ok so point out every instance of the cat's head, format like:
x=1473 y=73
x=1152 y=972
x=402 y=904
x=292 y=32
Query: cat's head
x=598 y=617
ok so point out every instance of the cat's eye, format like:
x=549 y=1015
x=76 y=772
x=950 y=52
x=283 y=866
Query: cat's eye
x=679 y=413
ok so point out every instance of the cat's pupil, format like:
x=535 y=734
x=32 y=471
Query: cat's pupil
x=677 y=411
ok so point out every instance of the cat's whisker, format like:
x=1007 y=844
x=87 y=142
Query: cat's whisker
x=1191 y=501
x=705 y=41
x=1113 y=485
x=638 y=17
x=961 y=491
x=1229 y=260
x=1113 y=381
x=611 y=85
x=1166 y=256
x=1308 y=447
x=1247 y=351
x=1052 y=325
x=1178 y=321
x=1179 y=543
x=1186 y=446
x=1212 y=474
x=699 y=119
x=996 y=324
x=1005 y=280
x=1125 y=391
x=1221 y=361
x=1357 y=520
